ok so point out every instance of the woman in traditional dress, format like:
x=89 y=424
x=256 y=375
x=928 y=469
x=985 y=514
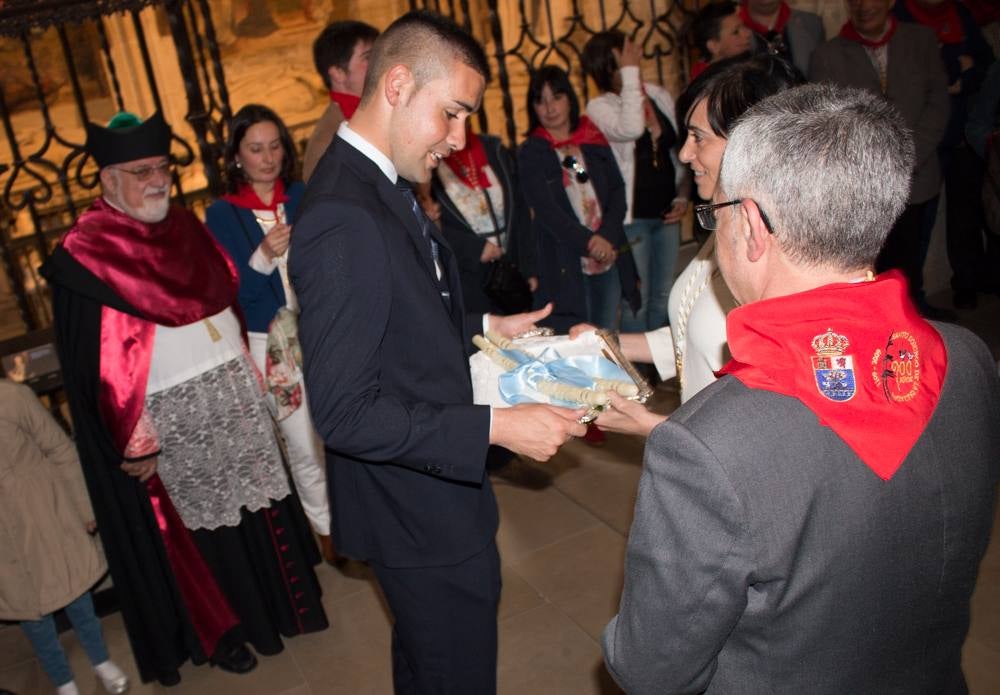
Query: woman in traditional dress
x=252 y=221
x=485 y=219
x=572 y=184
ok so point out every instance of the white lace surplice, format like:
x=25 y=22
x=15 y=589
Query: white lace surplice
x=218 y=450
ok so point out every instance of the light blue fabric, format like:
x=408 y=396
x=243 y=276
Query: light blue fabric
x=45 y=640
x=520 y=385
x=654 y=247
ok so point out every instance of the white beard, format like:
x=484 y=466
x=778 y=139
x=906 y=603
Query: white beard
x=152 y=210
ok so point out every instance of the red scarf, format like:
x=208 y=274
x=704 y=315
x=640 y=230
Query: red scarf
x=348 y=103
x=851 y=34
x=469 y=164
x=586 y=133
x=246 y=197
x=698 y=68
x=856 y=354
x=173 y=272
x=943 y=19
x=983 y=11
x=784 y=12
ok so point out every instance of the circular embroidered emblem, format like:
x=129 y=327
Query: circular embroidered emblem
x=896 y=368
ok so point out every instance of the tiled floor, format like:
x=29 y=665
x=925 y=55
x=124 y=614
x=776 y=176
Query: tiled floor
x=562 y=548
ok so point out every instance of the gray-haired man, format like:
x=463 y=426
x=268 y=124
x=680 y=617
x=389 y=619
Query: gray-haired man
x=813 y=522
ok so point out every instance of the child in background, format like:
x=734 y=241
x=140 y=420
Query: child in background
x=51 y=556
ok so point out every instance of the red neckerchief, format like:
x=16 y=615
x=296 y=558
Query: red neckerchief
x=983 y=11
x=173 y=272
x=784 y=12
x=943 y=19
x=851 y=34
x=246 y=197
x=698 y=68
x=586 y=133
x=469 y=164
x=856 y=354
x=348 y=103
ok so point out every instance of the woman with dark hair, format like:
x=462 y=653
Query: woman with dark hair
x=571 y=182
x=486 y=221
x=638 y=120
x=693 y=347
x=252 y=222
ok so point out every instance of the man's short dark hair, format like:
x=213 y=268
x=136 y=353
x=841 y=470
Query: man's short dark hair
x=598 y=58
x=707 y=24
x=335 y=45
x=418 y=40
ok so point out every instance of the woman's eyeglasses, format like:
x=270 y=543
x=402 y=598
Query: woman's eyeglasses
x=708 y=219
x=570 y=162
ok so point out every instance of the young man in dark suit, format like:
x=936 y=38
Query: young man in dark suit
x=385 y=339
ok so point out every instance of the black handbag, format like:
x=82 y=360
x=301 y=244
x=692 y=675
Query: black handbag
x=504 y=285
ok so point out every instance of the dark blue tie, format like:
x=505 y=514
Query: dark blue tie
x=423 y=220
x=425 y=229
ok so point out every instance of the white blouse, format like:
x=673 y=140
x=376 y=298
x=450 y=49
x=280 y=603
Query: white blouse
x=694 y=344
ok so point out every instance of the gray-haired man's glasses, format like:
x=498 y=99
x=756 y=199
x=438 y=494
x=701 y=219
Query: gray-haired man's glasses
x=708 y=219
x=143 y=174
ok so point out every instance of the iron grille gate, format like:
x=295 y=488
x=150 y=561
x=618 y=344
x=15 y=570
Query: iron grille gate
x=47 y=183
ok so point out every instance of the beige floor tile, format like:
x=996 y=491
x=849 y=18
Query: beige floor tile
x=985 y=625
x=303 y=689
x=982 y=667
x=543 y=652
x=25 y=678
x=607 y=489
x=14 y=647
x=352 y=656
x=517 y=595
x=532 y=519
x=347 y=580
x=581 y=576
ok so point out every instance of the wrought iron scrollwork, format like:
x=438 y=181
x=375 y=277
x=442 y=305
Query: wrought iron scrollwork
x=46 y=177
x=542 y=36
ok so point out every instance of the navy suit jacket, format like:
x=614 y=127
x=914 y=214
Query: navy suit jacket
x=236 y=229
x=387 y=372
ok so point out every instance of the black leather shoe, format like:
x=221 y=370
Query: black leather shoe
x=234 y=658
x=169 y=679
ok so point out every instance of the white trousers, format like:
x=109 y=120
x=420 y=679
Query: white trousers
x=306 y=459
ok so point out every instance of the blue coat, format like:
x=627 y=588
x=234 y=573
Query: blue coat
x=236 y=229
x=561 y=239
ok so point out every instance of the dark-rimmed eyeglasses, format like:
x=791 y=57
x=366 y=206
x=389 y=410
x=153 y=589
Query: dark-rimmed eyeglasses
x=143 y=174
x=573 y=164
x=708 y=219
